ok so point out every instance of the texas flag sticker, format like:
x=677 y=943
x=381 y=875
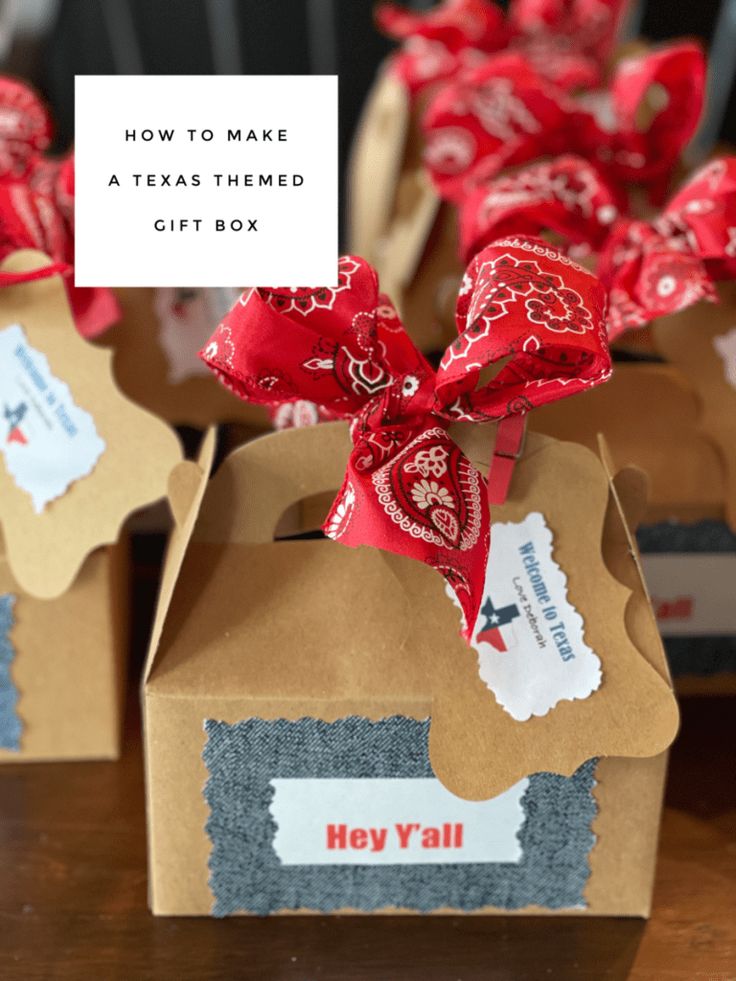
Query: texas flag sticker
x=47 y=440
x=530 y=639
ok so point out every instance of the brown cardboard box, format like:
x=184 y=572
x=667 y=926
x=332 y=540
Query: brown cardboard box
x=64 y=568
x=652 y=419
x=69 y=663
x=657 y=420
x=334 y=650
x=144 y=373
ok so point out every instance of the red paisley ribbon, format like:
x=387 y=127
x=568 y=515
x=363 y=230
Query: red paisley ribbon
x=37 y=204
x=655 y=268
x=25 y=129
x=408 y=487
x=438 y=44
x=567 y=196
x=567 y=41
x=504 y=113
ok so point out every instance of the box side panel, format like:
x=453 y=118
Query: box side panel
x=67 y=667
x=623 y=860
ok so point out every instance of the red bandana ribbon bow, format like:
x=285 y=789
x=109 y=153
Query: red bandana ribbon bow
x=567 y=41
x=504 y=113
x=566 y=196
x=437 y=44
x=37 y=203
x=408 y=487
x=659 y=267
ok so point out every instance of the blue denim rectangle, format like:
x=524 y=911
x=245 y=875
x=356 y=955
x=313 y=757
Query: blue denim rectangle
x=246 y=874
x=10 y=723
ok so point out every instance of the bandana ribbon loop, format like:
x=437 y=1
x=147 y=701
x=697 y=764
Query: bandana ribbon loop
x=37 y=204
x=567 y=196
x=656 y=268
x=408 y=486
x=437 y=44
x=505 y=113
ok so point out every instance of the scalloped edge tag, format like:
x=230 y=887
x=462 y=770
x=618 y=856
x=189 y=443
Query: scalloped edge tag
x=45 y=551
x=529 y=637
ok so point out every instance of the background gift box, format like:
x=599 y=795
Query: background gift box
x=653 y=418
x=78 y=458
x=155 y=345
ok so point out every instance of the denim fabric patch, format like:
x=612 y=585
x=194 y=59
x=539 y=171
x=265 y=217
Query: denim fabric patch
x=10 y=724
x=701 y=656
x=246 y=874
x=675 y=536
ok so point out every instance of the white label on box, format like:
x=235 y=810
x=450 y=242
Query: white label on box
x=206 y=180
x=529 y=638
x=402 y=821
x=187 y=319
x=48 y=442
x=692 y=593
x=725 y=346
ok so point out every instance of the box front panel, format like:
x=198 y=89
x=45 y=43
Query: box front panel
x=318 y=816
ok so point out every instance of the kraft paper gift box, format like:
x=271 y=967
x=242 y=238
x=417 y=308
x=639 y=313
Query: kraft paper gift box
x=656 y=420
x=318 y=736
x=697 y=615
x=78 y=458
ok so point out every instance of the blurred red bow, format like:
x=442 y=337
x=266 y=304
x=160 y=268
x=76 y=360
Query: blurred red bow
x=503 y=113
x=567 y=42
x=437 y=44
x=37 y=204
x=567 y=196
x=658 y=267
x=409 y=488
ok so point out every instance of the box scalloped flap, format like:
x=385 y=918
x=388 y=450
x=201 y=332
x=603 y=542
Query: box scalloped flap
x=684 y=465
x=141 y=370
x=476 y=748
x=45 y=551
x=187 y=486
x=687 y=339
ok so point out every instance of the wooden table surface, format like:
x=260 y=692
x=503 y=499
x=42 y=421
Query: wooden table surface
x=73 y=893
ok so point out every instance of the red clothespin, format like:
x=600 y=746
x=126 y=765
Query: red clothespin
x=510 y=438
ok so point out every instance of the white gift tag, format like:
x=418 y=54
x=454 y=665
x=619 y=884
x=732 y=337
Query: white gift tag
x=399 y=821
x=48 y=442
x=529 y=638
x=187 y=319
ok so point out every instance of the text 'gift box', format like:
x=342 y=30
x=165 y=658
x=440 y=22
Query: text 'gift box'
x=78 y=458
x=320 y=738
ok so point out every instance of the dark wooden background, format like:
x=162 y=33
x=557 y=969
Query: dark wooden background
x=73 y=889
